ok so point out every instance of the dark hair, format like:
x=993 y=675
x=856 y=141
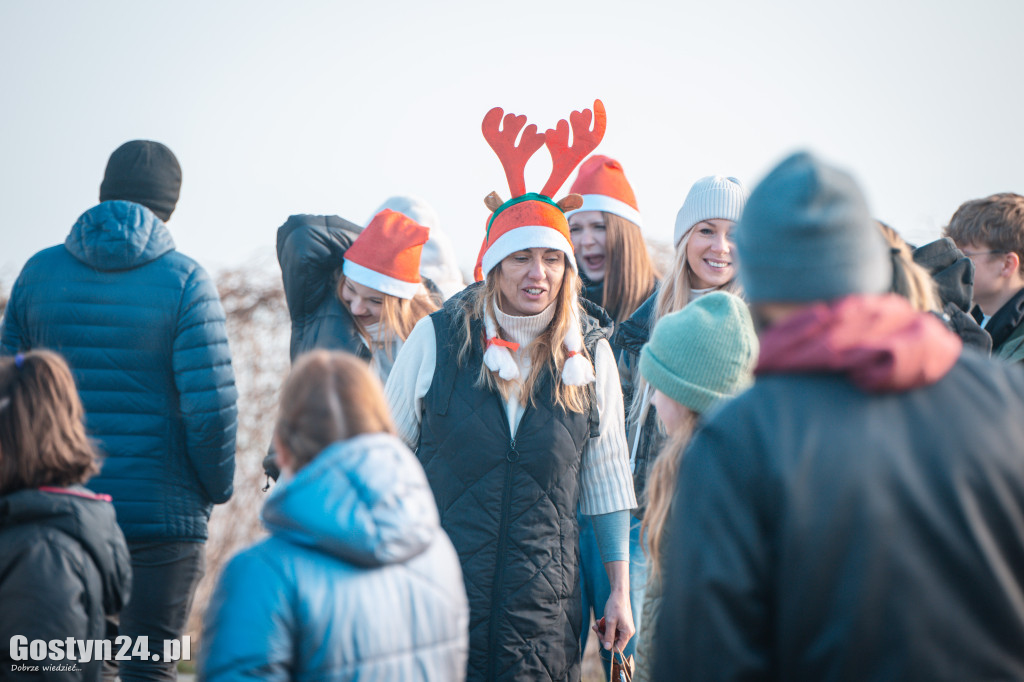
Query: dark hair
x=42 y=434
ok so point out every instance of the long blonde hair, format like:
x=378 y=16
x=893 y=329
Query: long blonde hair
x=661 y=483
x=917 y=285
x=546 y=351
x=673 y=295
x=329 y=396
x=397 y=315
x=629 y=276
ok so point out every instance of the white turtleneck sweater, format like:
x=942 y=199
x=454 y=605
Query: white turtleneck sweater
x=380 y=362
x=606 y=484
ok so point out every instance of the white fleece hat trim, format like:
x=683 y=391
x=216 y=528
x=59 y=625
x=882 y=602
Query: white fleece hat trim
x=526 y=237
x=382 y=283
x=601 y=202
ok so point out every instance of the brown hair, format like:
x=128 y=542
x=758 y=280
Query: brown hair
x=996 y=222
x=397 y=315
x=910 y=280
x=42 y=434
x=547 y=350
x=661 y=483
x=329 y=396
x=629 y=276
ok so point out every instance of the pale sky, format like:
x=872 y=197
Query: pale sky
x=276 y=108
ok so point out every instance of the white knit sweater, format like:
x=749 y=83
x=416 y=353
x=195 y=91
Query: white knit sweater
x=606 y=484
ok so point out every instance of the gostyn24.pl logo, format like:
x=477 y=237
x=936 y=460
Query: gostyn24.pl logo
x=86 y=650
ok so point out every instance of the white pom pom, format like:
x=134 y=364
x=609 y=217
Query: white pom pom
x=498 y=359
x=577 y=371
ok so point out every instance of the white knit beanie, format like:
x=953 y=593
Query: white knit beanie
x=715 y=196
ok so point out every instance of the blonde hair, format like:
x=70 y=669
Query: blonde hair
x=661 y=483
x=546 y=351
x=397 y=315
x=329 y=396
x=921 y=290
x=673 y=296
x=42 y=432
x=629 y=276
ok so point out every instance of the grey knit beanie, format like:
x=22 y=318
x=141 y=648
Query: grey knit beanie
x=715 y=196
x=144 y=172
x=807 y=235
x=702 y=353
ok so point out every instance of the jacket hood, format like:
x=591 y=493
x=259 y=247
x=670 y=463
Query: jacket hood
x=365 y=500
x=118 y=235
x=88 y=518
x=952 y=271
x=880 y=343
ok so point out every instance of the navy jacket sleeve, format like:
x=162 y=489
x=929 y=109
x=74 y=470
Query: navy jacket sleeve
x=715 y=614
x=10 y=334
x=206 y=386
x=249 y=625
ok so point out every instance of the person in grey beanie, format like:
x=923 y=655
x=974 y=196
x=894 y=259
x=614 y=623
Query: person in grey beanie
x=836 y=521
x=142 y=328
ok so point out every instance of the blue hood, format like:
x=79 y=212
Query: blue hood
x=365 y=500
x=118 y=235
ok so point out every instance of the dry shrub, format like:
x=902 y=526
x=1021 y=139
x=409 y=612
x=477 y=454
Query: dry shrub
x=258 y=332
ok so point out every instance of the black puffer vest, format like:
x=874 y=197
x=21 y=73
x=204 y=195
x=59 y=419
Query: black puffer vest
x=509 y=506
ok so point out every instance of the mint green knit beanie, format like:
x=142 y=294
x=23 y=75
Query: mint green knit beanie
x=702 y=353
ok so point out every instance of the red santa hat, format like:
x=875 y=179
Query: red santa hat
x=386 y=255
x=531 y=220
x=603 y=186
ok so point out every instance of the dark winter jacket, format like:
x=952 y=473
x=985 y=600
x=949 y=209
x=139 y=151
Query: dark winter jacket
x=311 y=250
x=356 y=582
x=1007 y=330
x=64 y=569
x=840 y=520
x=953 y=273
x=143 y=330
x=509 y=505
x=630 y=338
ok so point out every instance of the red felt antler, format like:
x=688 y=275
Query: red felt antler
x=503 y=141
x=564 y=158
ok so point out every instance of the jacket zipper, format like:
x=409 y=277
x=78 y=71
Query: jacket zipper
x=511 y=457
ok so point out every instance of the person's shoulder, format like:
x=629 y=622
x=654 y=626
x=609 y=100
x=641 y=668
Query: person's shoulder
x=991 y=370
x=46 y=260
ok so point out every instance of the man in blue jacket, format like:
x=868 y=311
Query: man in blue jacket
x=857 y=514
x=144 y=332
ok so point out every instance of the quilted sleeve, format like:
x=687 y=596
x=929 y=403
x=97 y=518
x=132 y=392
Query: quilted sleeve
x=11 y=340
x=249 y=626
x=310 y=249
x=206 y=386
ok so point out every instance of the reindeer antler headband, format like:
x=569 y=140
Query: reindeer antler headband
x=532 y=220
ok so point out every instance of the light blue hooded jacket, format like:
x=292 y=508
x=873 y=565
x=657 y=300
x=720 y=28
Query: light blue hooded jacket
x=357 y=581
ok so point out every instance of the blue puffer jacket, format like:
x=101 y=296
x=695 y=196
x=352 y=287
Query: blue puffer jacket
x=356 y=582
x=143 y=329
